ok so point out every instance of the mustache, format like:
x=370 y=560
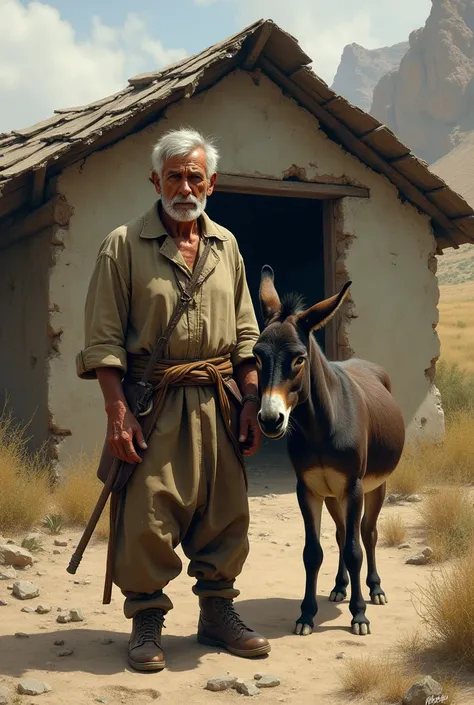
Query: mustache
x=189 y=200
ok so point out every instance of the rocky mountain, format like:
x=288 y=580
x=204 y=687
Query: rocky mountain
x=361 y=69
x=429 y=100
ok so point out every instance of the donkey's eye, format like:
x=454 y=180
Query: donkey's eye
x=298 y=360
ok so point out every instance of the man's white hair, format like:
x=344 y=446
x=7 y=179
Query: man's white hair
x=180 y=143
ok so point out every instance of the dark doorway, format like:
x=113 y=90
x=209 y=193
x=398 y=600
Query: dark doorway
x=286 y=233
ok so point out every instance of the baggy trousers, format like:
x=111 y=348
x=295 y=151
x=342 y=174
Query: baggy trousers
x=190 y=489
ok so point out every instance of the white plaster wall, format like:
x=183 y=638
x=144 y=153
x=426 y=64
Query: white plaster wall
x=261 y=132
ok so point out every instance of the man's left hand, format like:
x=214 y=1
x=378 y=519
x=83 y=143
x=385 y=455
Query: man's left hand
x=250 y=435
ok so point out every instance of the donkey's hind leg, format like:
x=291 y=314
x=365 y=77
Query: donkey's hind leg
x=339 y=592
x=373 y=505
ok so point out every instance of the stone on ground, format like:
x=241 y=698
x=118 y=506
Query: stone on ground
x=8 y=574
x=43 y=609
x=245 y=688
x=220 y=683
x=63 y=618
x=3 y=603
x=268 y=681
x=5 y=696
x=420 y=692
x=422 y=558
x=25 y=590
x=31 y=686
x=15 y=556
x=22 y=635
x=59 y=542
x=76 y=615
x=414 y=498
x=405 y=545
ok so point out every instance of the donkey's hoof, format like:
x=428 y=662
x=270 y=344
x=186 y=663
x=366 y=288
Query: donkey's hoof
x=303 y=629
x=338 y=595
x=360 y=626
x=379 y=598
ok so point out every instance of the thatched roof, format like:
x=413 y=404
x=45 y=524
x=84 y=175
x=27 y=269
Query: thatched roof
x=31 y=156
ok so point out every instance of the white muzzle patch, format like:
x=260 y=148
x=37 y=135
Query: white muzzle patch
x=272 y=410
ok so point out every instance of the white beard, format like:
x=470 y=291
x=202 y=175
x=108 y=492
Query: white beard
x=184 y=215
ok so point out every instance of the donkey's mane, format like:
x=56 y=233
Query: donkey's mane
x=291 y=305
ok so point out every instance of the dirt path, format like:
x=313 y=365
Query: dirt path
x=271 y=590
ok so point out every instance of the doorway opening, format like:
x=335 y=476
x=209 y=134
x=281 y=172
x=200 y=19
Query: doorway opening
x=288 y=234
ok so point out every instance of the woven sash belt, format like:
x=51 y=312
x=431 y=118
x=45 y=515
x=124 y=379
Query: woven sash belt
x=185 y=373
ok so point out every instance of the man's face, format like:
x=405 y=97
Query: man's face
x=184 y=186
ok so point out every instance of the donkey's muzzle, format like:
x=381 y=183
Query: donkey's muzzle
x=272 y=426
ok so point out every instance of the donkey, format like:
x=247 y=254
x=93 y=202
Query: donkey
x=347 y=436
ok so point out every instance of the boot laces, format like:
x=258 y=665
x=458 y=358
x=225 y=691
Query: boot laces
x=149 y=624
x=230 y=616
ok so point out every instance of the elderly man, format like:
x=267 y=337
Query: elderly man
x=189 y=485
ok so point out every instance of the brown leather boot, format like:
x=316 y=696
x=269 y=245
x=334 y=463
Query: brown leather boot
x=220 y=625
x=144 y=646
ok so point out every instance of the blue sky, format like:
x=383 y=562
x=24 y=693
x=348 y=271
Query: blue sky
x=60 y=53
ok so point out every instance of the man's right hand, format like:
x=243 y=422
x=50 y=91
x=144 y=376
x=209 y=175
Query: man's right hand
x=122 y=430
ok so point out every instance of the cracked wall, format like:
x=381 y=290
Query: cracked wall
x=384 y=245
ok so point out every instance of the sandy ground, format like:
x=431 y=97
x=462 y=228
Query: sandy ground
x=271 y=590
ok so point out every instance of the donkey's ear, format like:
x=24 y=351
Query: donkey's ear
x=269 y=300
x=318 y=315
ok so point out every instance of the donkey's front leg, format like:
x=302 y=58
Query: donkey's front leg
x=353 y=555
x=311 y=508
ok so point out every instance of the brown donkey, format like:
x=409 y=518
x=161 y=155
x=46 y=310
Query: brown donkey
x=347 y=436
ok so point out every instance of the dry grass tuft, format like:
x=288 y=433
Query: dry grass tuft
x=78 y=492
x=387 y=679
x=25 y=482
x=447 y=611
x=393 y=530
x=408 y=477
x=448 y=518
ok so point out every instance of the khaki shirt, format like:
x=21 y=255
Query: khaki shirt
x=133 y=292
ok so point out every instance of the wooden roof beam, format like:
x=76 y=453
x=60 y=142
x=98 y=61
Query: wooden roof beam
x=257 y=45
x=358 y=148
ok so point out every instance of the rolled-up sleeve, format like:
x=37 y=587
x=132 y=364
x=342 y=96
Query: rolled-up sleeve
x=246 y=320
x=105 y=320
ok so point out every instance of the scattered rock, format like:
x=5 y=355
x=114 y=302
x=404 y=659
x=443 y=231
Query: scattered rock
x=40 y=574
x=82 y=582
x=63 y=618
x=393 y=498
x=25 y=590
x=288 y=544
x=422 y=558
x=423 y=692
x=22 y=635
x=56 y=552
x=34 y=536
x=59 y=642
x=5 y=696
x=221 y=683
x=414 y=498
x=16 y=556
x=31 y=686
x=3 y=603
x=405 y=545
x=66 y=652
x=340 y=655
x=43 y=609
x=268 y=681
x=59 y=542
x=28 y=610
x=245 y=688
x=8 y=574
x=76 y=615
x=107 y=642
x=264 y=534
x=100 y=700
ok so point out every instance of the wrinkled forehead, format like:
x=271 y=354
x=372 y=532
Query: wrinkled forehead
x=195 y=161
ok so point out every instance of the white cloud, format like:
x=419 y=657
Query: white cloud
x=43 y=66
x=324 y=27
